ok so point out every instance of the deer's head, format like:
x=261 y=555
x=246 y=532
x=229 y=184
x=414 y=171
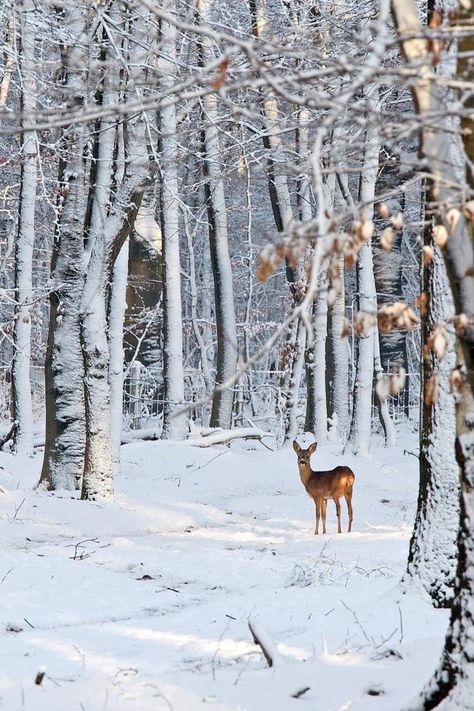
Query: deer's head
x=304 y=455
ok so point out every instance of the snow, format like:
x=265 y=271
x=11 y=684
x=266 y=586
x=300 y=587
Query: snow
x=143 y=602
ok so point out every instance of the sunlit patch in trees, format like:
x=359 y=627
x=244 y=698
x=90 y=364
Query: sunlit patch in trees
x=397 y=315
x=431 y=391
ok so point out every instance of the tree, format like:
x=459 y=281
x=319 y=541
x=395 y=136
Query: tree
x=452 y=685
x=22 y=401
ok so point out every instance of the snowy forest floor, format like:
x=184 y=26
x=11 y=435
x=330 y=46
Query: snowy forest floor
x=142 y=603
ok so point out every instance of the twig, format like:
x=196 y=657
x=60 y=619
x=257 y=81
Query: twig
x=401 y=622
x=356 y=620
x=17 y=510
x=264 y=641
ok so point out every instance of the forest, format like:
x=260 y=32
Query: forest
x=237 y=282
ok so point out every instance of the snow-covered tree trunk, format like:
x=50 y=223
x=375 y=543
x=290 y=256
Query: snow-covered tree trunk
x=316 y=403
x=63 y=460
x=116 y=315
x=382 y=403
x=22 y=401
x=433 y=548
x=293 y=392
x=360 y=431
x=339 y=391
x=221 y=415
x=174 y=422
x=452 y=686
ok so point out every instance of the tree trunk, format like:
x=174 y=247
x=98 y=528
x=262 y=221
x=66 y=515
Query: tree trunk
x=433 y=547
x=174 y=424
x=63 y=460
x=316 y=405
x=453 y=684
x=22 y=401
x=339 y=387
x=221 y=415
x=116 y=316
x=359 y=437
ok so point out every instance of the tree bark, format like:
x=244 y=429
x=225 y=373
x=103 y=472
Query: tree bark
x=453 y=683
x=21 y=382
x=174 y=423
x=63 y=460
x=221 y=415
x=433 y=547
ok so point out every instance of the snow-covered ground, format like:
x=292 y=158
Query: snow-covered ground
x=142 y=604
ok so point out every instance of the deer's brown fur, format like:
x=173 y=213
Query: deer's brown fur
x=324 y=485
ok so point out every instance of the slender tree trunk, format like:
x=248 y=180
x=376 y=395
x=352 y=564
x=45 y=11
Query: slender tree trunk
x=360 y=431
x=174 y=424
x=316 y=405
x=116 y=317
x=292 y=402
x=22 y=401
x=339 y=389
x=221 y=415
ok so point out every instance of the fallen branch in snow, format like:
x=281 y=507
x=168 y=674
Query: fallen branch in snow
x=264 y=641
x=226 y=436
x=137 y=435
x=207 y=440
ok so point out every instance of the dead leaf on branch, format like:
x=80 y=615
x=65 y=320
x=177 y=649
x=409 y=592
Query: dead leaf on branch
x=218 y=82
x=427 y=255
x=461 y=322
x=423 y=301
x=431 y=391
x=362 y=323
x=440 y=235
x=397 y=315
x=457 y=381
x=387 y=239
x=437 y=341
x=468 y=210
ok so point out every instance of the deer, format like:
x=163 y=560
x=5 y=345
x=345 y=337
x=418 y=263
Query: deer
x=324 y=485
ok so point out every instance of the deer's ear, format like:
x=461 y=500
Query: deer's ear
x=312 y=447
x=296 y=447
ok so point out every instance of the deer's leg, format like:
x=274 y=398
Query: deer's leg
x=348 y=498
x=324 y=506
x=318 y=515
x=338 y=514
